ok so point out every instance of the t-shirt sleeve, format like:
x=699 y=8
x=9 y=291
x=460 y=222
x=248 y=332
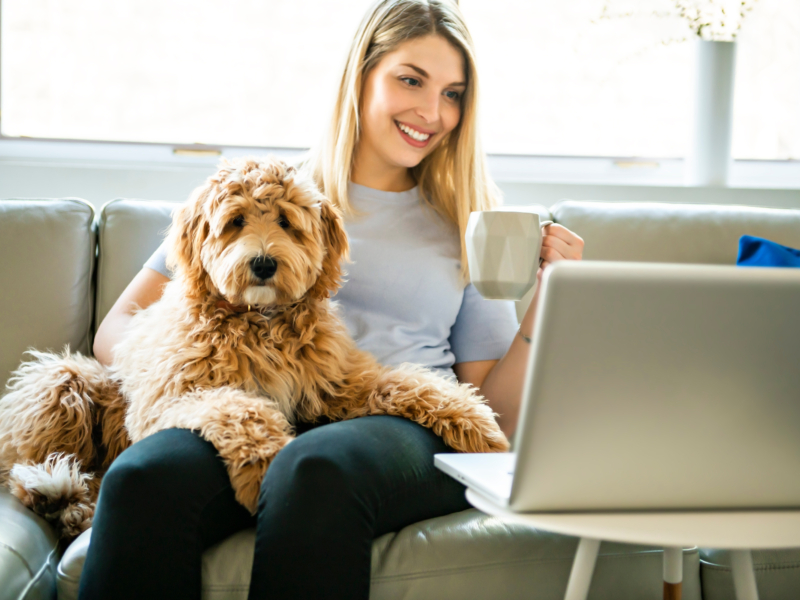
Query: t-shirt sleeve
x=484 y=329
x=158 y=261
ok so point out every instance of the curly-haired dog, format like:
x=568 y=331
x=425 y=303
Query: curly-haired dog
x=243 y=342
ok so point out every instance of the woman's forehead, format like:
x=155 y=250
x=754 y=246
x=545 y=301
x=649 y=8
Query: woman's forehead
x=434 y=55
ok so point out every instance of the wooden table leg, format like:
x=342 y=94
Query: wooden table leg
x=673 y=573
x=582 y=569
x=744 y=578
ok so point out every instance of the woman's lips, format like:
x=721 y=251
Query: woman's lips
x=410 y=140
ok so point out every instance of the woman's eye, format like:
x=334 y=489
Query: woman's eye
x=238 y=221
x=411 y=81
x=453 y=95
x=283 y=222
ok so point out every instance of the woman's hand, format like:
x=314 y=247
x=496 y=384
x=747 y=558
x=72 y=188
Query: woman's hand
x=559 y=243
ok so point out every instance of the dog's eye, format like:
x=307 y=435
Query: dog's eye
x=238 y=221
x=283 y=222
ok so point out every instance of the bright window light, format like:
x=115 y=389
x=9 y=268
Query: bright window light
x=238 y=72
x=766 y=107
x=575 y=78
x=568 y=78
x=616 y=77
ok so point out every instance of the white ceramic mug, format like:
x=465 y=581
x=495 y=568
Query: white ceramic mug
x=503 y=249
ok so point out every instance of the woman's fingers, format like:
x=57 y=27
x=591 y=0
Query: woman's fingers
x=554 y=249
x=563 y=233
x=560 y=232
x=559 y=243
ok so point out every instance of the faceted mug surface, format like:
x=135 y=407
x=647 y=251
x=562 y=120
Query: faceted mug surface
x=503 y=249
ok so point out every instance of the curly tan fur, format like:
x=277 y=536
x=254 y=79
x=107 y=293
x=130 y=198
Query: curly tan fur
x=61 y=419
x=243 y=377
x=57 y=490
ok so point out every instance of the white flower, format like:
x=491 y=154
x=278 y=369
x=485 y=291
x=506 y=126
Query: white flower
x=717 y=20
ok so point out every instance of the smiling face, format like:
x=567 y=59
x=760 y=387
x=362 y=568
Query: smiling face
x=410 y=102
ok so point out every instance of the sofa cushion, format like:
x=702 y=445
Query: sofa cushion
x=28 y=553
x=48 y=251
x=128 y=232
x=777 y=574
x=460 y=556
x=679 y=233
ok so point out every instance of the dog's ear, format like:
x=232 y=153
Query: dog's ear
x=336 y=251
x=186 y=236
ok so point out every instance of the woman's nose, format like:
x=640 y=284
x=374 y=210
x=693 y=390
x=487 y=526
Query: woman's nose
x=429 y=108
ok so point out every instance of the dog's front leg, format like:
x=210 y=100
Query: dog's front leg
x=247 y=431
x=451 y=410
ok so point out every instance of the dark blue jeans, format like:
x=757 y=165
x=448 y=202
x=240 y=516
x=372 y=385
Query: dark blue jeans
x=325 y=497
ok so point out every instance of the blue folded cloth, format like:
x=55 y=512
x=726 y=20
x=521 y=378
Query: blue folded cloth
x=758 y=252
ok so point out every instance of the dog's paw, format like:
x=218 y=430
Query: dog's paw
x=75 y=519
x=474 y=431
x=57 y=491
x=48 y=487
x=247 y=470
x=246 y=482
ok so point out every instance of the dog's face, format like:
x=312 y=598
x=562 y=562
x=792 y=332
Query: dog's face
x=258 y=233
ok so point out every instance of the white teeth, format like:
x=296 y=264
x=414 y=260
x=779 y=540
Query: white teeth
x=413 y=133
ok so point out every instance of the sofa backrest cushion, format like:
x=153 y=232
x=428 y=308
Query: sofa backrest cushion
x=679 y=233
x=129 y=231
x=47 y=249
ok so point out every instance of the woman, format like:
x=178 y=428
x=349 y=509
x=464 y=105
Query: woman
x=403 y=162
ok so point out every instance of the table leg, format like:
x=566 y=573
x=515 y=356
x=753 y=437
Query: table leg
x=673 y=573
x=582 y=569
x=744 y=578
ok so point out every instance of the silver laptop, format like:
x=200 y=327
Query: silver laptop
x=654 y=386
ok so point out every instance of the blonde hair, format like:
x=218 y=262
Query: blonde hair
x=453 y=179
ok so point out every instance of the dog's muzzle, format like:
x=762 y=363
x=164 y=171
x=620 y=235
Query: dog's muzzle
x=263 y=267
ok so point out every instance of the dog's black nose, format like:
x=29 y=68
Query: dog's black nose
x=263 y=267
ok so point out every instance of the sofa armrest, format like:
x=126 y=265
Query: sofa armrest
x=29 y=553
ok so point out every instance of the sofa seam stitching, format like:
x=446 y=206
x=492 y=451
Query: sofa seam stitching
x=22 y=558
x=45 y=567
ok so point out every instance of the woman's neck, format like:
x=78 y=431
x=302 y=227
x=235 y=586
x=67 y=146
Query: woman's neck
x=373 y=173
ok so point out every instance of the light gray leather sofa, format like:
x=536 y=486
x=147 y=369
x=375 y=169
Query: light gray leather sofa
x=51 y=298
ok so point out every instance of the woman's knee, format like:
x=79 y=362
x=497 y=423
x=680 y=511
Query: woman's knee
x=158 y=466
x=312 y=471
x=302 y=464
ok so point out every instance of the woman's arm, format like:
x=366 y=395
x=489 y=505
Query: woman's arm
x=501 y=381
x=146 y=288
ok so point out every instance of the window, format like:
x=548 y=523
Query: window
x=592 y=78
x=615 y=78
x=560 y=78
x=766 y=110
x=238 y=72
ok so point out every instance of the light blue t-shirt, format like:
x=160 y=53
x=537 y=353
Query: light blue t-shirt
x=403 y=299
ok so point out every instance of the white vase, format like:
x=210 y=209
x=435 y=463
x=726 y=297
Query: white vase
x=710 y=149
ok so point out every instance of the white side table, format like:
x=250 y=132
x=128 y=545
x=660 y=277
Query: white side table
x=738 y=531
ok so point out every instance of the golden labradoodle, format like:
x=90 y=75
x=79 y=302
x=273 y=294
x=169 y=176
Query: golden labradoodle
x=244 y=342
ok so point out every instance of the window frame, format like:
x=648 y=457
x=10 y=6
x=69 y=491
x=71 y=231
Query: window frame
x=763 y=174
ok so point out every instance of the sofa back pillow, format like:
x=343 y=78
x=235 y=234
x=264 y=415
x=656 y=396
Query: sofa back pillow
x=47 y=249
x=676 y=233
x=129 y=231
